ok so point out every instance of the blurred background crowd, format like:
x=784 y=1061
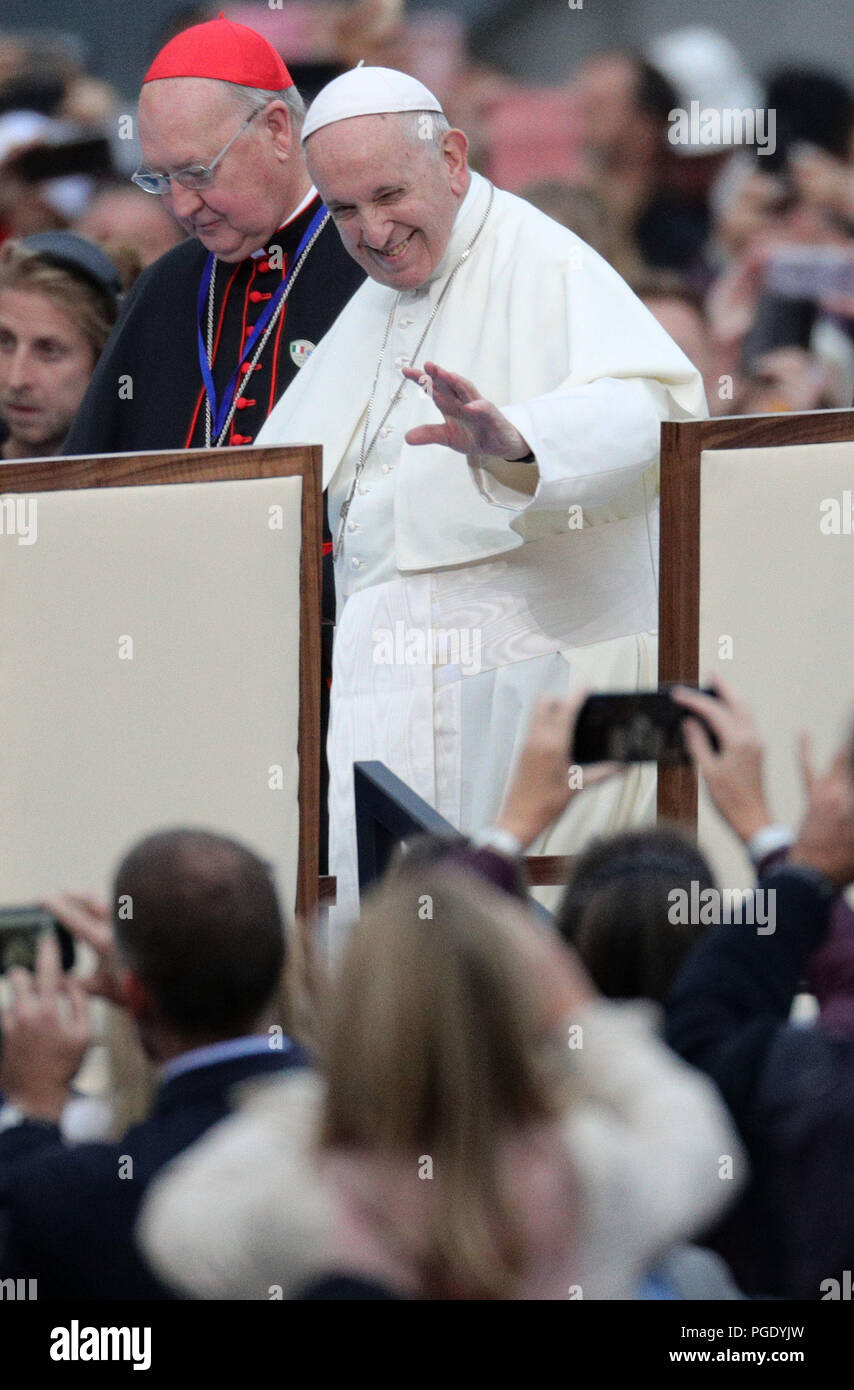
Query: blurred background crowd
x=743 y=251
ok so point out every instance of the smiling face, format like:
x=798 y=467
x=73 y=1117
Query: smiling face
x=393 y=196
x=45 y=365
x=187 y=120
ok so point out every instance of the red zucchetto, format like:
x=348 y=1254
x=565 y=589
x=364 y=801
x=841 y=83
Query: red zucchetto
x=230 y=52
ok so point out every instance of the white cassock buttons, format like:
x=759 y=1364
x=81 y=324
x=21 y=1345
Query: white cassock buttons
x=386 y=467
x=363 y=489
x=406 y=321
x=401 y=360
x=356 y=562
x=352 y=526
x=385 y=431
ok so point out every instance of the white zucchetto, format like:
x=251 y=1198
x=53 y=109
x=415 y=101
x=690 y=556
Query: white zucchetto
x=367 y=92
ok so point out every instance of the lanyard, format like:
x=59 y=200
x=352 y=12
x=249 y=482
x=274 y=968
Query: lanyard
x=219 y=410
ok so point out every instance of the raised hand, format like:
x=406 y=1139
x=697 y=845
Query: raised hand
x=543 y=783
x=472 y=425
x=826 y=837
x=733 y=774
x=88 y=919
x=45 y=1035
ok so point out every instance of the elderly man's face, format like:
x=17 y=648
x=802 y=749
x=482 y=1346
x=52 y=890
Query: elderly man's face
x=393 y=197
x=187 y=120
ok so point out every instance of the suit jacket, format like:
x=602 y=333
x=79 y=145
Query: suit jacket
x=789 y=1088
x=67 y=1215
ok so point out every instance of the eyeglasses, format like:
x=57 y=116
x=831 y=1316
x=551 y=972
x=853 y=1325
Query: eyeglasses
x=196 y=176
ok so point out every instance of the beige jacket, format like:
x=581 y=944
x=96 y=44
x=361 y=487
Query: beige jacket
x=647 y=1157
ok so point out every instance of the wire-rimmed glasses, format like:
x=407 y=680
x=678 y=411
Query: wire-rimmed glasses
x=195 y=176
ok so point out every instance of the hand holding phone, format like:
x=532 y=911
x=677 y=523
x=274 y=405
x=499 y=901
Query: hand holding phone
x=731 y=764
x=21 y=930
x=45 y=1035
x=542 y=785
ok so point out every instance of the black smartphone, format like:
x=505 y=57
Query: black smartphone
x=40 y=162
x=21 y=930
x=778 y=323
x=637 y=727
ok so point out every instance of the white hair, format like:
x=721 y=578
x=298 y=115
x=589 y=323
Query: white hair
x=427 y=129
x=256 y=98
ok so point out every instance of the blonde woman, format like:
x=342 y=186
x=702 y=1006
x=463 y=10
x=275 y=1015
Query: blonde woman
x=448 y=1076
x=485 y=1127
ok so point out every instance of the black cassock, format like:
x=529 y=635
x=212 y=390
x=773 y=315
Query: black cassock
x=147 y=390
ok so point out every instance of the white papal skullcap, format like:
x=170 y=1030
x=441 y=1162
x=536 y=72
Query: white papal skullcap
x=367 y=92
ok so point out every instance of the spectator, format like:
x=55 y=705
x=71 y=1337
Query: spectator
x=466 y=1149
x=813 y=108
x=59 y=297
x=121 y=214
x=681 y=312
x=626 y=103
x=708 y=73
x=195 y=953
x=789 y=1087
x=791 y=378
x=617 y=913
x=778 y=309
x=830 y=970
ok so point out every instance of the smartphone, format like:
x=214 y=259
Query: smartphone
x=40 y=162
x=810 y=272
x=640 y=727
x=778 y=323
x=21 y=930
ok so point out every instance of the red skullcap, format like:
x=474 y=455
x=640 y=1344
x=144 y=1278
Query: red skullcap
x=220 y=49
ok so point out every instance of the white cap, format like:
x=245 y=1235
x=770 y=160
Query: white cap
x=706 y=67
x=367 y=92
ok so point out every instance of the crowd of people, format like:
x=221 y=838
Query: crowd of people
x=473 y=1099
x=744 y=254
x=476 y=1102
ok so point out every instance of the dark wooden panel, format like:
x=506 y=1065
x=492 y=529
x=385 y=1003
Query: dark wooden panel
x=137 y=470
x=549 y=870
x=310 y=660
x=327 y=890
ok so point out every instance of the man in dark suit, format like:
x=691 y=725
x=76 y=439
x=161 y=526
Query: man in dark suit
x=790 y=1088
x=195 y=952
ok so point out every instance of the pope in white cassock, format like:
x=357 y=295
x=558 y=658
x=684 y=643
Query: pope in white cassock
x=489 y=404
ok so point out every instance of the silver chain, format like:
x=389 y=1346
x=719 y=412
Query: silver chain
x=261 y=344
x=365 y=447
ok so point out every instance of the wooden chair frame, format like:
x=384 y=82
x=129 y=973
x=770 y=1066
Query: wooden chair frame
x=682 y=445
x=223 y=465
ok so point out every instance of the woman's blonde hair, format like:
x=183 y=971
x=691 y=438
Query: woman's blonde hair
x=436 y=1047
